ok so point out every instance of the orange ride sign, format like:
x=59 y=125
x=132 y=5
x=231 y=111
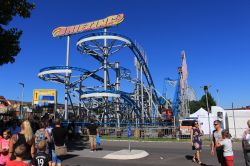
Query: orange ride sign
x=106 y=22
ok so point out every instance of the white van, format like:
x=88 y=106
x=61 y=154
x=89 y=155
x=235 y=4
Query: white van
x=186 y=126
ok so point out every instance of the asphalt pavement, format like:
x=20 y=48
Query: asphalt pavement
x=160 y=153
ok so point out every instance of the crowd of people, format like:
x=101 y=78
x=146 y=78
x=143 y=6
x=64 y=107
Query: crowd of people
x=221 y=144
x=32 y=143
x=43 y=142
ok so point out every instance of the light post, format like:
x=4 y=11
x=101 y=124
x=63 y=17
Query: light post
x=205 y=88
x=21 y=106
x=234 y=120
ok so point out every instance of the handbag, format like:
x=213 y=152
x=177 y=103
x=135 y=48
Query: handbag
x=60 y=150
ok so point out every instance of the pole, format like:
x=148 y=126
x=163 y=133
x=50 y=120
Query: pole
x=117 y=67
x=142 y=98
x=234 y=121
x=55 y=107
x=66 y=81
x=22 y=101
x=137 y=87
x=22 y=95
x=151 y=104
x=105 y=76
x=206 y=90
x=79 y=105
x=105 y=61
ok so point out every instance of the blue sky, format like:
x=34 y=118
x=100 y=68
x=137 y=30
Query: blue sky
x=215 y=35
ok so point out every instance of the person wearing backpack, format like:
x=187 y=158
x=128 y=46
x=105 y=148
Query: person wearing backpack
x=42 y=135
x=246 y=144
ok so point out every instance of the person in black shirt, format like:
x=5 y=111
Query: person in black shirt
x=59 y=135
x=42 y=158
x=92 y=132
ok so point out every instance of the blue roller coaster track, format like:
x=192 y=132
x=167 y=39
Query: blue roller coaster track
x=125 y=96
x=84 y=71
x=133 y=48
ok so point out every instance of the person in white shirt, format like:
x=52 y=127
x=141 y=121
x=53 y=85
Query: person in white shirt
x=226 y=144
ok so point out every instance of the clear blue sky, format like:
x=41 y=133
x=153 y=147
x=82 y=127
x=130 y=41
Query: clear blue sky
x=214 y=33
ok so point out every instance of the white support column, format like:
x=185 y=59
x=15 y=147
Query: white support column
x=105 y=68
x=66 y=81
x=79 y=104
x=137 y=93
x=151 y=103
x=117 y=67
x=142 y=97
x=105 y=60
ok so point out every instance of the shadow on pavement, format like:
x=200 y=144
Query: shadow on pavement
x=76 y=145
x=99 y=149
x=68 y=156
x=189 y=157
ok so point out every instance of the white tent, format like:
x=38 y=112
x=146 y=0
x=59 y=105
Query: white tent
x=203 y=119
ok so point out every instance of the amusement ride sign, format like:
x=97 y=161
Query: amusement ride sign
x=44 y=100
x=106 y=22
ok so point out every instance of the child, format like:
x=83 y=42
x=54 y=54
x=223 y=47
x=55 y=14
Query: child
x=4 y=147
x=226 y=143
x=19 y=153
x=42 y=158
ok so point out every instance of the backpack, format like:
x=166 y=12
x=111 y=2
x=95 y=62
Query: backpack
x=40 y=136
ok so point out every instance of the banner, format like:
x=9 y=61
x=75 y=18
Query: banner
x=106 y=22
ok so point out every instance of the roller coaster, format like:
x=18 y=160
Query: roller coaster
x=106 y=100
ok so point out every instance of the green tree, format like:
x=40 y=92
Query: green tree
x=211 y=101
x=194 y=106
x=9 y=38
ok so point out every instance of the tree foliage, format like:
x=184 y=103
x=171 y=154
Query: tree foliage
x=202 y=103
x=194 y=106
x=10 y=38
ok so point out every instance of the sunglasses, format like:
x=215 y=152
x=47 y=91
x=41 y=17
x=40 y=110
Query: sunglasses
x=215 y=124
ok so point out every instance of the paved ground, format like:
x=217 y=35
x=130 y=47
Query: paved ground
x=160 y=153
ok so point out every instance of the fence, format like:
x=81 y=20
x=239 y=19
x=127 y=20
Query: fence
x=142 y=131
x=237 y=124
x=159 y=130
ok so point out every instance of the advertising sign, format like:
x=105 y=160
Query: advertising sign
x=44 y=100
x=106 y=22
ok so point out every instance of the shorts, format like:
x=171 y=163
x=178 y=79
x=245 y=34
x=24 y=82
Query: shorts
x=56 y=159
x=229 y=160
x=92 y=139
